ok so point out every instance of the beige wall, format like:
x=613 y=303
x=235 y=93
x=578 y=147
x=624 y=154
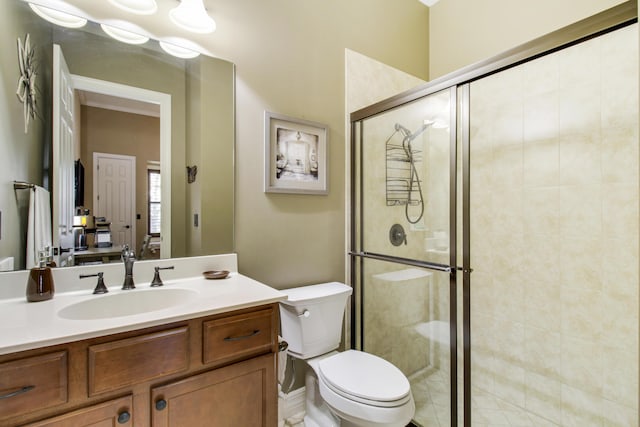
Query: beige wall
x=462 y=32
x=22 y=156
x=116 y=132
x=291 y=61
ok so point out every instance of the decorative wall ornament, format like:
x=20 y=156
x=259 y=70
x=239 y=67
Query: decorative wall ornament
x=192 y=171
x=27 y=82
x=295 y=155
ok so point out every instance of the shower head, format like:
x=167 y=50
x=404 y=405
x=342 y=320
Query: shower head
x=410 y=136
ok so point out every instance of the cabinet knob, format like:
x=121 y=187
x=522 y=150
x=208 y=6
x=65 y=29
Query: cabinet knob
x=124 y=417
x=161 y=404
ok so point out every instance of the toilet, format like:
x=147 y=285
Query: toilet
x=350 y=388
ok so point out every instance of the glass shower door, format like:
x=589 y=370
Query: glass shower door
x=404 y=246
x=554 y=238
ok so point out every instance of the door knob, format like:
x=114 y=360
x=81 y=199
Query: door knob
x=124 y=417
x=161 y=404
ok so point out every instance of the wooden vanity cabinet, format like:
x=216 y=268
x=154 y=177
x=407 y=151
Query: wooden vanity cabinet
x=215 y=371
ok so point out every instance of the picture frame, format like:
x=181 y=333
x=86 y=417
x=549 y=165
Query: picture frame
x=295 y=155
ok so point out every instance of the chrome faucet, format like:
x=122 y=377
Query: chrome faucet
x=128 y=257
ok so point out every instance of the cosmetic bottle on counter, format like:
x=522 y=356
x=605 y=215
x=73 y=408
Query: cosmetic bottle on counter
x=40 y=283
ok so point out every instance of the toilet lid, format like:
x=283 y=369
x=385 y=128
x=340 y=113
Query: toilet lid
x=365 y=376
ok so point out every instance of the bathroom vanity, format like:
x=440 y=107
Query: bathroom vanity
x=208 y=359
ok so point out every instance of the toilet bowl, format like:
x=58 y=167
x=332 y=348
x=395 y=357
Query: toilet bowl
x=364 y=389
x=351 y=388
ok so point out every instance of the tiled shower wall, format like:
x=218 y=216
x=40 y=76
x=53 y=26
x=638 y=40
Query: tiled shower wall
x=554 y=234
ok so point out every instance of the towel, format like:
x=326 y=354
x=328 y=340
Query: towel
x=39 y=225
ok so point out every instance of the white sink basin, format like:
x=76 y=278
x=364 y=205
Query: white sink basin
x=127 y=303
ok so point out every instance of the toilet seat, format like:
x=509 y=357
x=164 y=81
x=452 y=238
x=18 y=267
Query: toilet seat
x=364 y=378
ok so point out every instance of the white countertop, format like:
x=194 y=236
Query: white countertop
x=25 y=326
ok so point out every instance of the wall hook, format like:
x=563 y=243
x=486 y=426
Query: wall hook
x=192 y=171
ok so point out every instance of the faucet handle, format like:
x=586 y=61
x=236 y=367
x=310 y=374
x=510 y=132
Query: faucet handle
x=157 y=281
x=100 y=287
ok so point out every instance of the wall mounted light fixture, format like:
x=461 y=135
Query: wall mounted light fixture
x=191 y=15
x=127 y=32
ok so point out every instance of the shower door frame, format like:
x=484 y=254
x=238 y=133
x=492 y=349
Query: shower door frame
x=604 y=22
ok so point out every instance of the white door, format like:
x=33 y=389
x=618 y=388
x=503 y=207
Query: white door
x=114 y=195
x=63 y=166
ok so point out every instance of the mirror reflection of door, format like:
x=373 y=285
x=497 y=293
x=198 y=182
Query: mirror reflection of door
x=125 y=121
x=112 y=131
x=63 y=159
x=114 y=197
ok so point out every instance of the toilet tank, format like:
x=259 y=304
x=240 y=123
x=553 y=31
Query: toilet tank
x=312 y=316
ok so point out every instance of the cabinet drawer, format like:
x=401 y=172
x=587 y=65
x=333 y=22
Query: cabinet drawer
x=112 y=413
x=239 y=336
x=33 y=383
x=129 y=361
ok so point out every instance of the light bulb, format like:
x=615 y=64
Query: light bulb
x=59 y=18
x=178 y=51
x=140 y=7
x=124 y=35
x=191 y=15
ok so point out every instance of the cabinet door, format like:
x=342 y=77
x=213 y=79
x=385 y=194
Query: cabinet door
x=108 y=414
x=243 y=394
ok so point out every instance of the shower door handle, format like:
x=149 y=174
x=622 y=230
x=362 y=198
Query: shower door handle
x=406 y=261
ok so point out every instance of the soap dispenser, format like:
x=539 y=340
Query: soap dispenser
x=40 y=283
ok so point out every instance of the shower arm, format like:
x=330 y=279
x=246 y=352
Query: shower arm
x=410 y=136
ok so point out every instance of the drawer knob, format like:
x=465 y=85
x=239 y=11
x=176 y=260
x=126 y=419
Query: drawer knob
x=161 y=404
x=124 y=417
x=18 y=391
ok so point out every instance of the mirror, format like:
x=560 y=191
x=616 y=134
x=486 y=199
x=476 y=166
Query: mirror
x=200 y=130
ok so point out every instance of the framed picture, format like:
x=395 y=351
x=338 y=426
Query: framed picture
x=295 y=155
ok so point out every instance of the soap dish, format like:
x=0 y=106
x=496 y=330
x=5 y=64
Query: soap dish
x=216 y=274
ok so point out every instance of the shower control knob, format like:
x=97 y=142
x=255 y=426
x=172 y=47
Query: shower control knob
x=397 y=236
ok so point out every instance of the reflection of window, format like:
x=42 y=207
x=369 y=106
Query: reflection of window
x=153 y=211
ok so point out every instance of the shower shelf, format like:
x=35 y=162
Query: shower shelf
x=399 y=161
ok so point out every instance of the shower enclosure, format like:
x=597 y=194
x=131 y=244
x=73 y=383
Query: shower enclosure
x=494 y=233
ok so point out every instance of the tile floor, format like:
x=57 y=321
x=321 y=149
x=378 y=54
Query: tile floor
x=431 y=392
